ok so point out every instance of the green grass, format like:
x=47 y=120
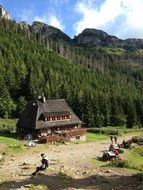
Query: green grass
x=98 y=163
x=8 y=124
x=9 y=139
x=36 y=187
x=92 y=137
x=114 y=130
x=132 y=171
x=135 y=158
x=11 y=145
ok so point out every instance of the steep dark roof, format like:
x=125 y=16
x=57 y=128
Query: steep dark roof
x=52 y=114
x=30 y=119
x=56 y=106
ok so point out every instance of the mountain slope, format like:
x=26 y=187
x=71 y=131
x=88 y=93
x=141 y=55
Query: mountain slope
x=94 y=49
x=111 y=95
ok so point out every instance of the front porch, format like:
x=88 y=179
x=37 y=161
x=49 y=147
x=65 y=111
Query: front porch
x=78 y=134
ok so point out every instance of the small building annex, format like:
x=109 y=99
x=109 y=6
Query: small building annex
x=51 y=118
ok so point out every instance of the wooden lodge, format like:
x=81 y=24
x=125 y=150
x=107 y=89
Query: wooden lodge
x=53 y=119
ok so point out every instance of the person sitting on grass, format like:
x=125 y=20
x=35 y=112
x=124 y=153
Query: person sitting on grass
x=44 y=164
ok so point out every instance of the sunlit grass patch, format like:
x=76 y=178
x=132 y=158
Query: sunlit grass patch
x=92 y=137
x=98 y=163
x=8 y=124
x=8 y=140
x=135 y=158
x=35 y=187
x=132 y=171
x=11 y=145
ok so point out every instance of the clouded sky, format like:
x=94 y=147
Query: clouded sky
x=122 y=18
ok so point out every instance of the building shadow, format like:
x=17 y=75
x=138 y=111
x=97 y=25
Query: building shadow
x=8 y=134
x=63 y=182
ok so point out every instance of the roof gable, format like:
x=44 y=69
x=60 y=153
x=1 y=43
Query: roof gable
x=31 y=117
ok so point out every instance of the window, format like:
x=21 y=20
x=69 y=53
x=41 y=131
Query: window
x=48 y=118
x=53 y=118
x=58 y=117
x=63 y=117
x=67 y=117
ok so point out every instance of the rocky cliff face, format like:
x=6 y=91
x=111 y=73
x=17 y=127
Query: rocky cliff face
x=50 y=32
x=87 y=38
x=93 y=37
x=4 y=13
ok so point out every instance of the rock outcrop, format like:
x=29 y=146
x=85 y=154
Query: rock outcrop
x=93 y=37
x=49 y=32
x=4 y=13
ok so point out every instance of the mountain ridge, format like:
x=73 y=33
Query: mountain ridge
x=89 y=37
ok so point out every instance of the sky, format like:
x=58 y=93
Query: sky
x=121 y=18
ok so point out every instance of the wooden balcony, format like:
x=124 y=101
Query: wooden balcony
x=64 y=136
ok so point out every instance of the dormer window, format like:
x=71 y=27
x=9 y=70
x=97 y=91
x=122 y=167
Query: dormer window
x=55 y=116
x=67 y=117
x=63 y=117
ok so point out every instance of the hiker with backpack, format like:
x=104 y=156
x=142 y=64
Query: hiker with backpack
x=44 y=164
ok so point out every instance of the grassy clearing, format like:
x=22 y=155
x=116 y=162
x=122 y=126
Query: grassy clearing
x=8 y=138
x=11 y=145
x=8 y=124
x=135 y=158
x=8 y=142
x=119 y=131
x=98 y=163
x=92 y=137
x=132 y=171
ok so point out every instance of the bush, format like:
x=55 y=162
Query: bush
x=104 y=131
x=137 y=139
x=119 y=163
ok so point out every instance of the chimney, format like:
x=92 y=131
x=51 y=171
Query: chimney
x=42 y=99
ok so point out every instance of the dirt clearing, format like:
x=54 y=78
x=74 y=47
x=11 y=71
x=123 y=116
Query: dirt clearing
x=70 y=168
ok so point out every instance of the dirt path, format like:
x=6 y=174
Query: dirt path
x=70 y=168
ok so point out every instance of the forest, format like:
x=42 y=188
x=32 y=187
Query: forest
x=107 y=94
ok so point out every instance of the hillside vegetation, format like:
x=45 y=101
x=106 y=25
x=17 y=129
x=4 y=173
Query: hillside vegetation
x=109 y=94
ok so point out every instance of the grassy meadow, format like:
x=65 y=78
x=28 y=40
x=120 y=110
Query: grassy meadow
x=8 y=138
x=8 y=125
x=135 y=158
x=91 y=137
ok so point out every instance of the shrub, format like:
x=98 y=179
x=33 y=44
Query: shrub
x=137 y=139
x=104 y=131
x=119 y=163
